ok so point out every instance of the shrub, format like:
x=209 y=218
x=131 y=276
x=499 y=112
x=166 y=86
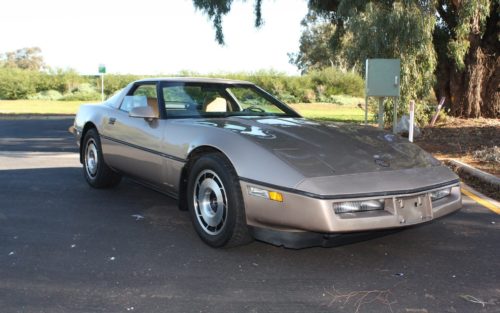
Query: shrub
x=46 y=95
x=114 y=82
x=16 y=83
x=85 y=88
x=424 y=111
x=63 y=81
x=81 y=96
x=320 y=85
x=331 y=81
x=83 y=92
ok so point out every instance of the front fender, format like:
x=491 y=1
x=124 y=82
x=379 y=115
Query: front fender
x=250 y=160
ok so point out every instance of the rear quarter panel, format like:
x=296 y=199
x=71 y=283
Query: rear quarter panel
x=88 y=114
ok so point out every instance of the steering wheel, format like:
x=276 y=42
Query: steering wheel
x=254 y=109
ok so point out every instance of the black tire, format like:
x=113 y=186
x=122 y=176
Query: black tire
x=220 y=220
x=96 y=171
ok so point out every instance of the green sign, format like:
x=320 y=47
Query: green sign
x=102 y=69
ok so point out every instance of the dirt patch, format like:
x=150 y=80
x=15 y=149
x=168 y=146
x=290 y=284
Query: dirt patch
x=485 y=186
x=464 y=139
x=471 y=141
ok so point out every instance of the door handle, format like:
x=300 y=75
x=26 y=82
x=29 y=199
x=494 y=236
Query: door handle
x=111 y=121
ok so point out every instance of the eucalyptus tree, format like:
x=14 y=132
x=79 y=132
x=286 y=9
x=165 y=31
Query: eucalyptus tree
x=449 y=45
x=467 y=42
x=314 y=46
x=25 y=59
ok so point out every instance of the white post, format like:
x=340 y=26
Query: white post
x=412 y=118
x=102 y=87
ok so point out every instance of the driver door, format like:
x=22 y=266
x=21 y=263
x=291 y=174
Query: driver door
x=134 y=143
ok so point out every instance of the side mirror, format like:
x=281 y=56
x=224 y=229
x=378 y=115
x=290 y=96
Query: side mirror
x=145 y=112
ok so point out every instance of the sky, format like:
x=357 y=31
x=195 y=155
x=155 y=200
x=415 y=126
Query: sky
x=152 y=36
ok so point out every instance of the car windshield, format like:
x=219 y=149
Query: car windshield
x=221 y=100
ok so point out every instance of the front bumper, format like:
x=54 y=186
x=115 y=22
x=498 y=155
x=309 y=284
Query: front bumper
x=301 y=213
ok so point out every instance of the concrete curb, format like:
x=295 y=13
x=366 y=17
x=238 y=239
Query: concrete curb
x=468 y=172
x=28 y=116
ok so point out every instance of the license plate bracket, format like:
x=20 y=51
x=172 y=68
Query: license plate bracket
x=413 y=210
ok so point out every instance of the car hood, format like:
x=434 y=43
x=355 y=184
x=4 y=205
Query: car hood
x=317 y=149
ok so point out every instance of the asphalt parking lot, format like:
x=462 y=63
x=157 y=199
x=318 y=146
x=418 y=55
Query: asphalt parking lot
x=65 y=247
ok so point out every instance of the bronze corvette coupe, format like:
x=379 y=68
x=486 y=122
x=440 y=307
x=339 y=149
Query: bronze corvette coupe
x=247 y=166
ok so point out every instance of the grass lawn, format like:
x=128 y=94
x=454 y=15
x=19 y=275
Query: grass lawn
x=346 y=112
x=39 y=107
x=330 y=112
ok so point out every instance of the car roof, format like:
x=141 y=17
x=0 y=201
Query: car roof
x=197 y=80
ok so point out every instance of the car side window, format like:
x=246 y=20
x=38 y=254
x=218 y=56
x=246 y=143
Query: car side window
x=195 y=100
x=144 y=95
x=249 y=100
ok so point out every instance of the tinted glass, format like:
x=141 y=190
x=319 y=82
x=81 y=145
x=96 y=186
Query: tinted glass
x=219 y=100
x=142 y=96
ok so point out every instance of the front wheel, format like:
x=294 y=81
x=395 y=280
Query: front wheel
x=96 y=171
x=215 y=202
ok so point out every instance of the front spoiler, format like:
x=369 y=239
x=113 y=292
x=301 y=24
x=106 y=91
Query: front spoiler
x=301 y=240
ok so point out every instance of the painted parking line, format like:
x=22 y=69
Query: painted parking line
x=482 y=200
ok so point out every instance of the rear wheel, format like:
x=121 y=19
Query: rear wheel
x=215 y=202
x=95 y=170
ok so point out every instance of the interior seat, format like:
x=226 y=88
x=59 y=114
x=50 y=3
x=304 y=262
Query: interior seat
x=153 y=104
x=215 y=104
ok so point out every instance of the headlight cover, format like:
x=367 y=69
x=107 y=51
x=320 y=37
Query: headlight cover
x=358 y=206
x=440 y=194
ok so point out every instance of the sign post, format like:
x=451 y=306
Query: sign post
x=412 y=120
x=102 y=71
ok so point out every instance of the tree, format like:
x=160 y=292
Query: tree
x=466 y=39
x=315 y=51
x=16 y=83
x=25 y=59
x=450 y=45
x=216 y=9
x=384 y=30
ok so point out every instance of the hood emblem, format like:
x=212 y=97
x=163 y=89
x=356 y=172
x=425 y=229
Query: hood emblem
x=381 y=161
